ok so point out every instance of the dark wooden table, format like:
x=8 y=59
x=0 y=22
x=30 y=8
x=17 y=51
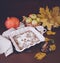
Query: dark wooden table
x=19 y=8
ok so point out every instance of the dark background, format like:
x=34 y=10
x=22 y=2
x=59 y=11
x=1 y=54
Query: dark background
x=24 y=7
x=19 y=8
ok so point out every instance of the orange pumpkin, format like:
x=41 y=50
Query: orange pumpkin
x=12 y=22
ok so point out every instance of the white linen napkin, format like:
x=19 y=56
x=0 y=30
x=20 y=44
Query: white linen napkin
x=21 y=25
x=7 y=32
x=5 y=46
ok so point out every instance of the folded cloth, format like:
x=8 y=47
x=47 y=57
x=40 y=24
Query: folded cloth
x=7 y=32
x=21 y=25
x=5 y=46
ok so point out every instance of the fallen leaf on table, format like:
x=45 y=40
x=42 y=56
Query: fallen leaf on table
x=53 y=47
x=40 y=55
x=50 y=33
